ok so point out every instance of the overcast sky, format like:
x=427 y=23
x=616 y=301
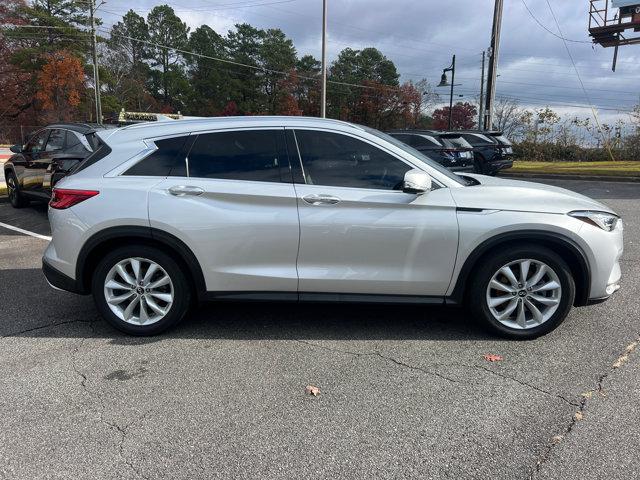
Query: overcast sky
x=420 y=36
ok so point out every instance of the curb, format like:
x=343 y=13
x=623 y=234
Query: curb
x=569 y=176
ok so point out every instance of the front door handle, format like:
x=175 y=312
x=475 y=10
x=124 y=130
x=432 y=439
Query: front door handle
x=321 y=199
x=184 y=190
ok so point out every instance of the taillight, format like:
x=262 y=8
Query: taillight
x=63 y=198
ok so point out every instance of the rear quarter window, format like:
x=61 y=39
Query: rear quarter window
x=101 y=151
x=503 y=140
x=167 y=160
x=477 y=139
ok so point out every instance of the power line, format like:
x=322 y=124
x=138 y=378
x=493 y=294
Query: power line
x=547 y=29
x=586 y=94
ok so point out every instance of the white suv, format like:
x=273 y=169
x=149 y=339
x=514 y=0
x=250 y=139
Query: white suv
x=300 y=209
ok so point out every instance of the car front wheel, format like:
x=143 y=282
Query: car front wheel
x=522 y=292
x=13 y=192
x=141 y=290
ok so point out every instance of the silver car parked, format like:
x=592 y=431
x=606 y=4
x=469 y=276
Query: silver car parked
x=299 y=209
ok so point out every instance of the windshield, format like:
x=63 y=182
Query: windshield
x=415 y=153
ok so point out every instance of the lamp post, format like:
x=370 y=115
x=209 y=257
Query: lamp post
x=444 y=83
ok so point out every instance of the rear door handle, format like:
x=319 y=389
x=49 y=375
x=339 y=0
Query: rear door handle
x=321 y=199
x=184 y=190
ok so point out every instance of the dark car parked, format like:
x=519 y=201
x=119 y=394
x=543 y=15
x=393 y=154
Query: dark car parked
x=446 y=148
x=49 y=155
x=492 y=150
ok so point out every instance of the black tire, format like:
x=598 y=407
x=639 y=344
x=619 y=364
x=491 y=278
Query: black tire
x=478 y=164
x=477 y=297
x=181 y=289
x=16 y=197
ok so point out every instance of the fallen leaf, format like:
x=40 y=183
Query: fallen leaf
x=490 y=357
x=578 y=416
x=312 y=390
x=557 y=438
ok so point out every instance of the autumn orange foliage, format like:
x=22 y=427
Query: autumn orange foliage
x=61 y=82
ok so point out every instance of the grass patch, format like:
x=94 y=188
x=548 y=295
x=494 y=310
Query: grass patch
x=618 y=169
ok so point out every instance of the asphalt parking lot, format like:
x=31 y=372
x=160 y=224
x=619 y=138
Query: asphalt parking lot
x=405 y=391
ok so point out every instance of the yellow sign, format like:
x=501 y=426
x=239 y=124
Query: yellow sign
x=146 y=116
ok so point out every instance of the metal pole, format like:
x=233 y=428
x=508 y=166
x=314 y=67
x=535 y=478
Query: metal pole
x=481 y=109
x=493 y=63
x=453 y=81
x=323 y=100
x=96 y=76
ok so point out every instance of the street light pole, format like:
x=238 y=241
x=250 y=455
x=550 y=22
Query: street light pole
x=94 y=52
x=323 y=100
x=444 y=83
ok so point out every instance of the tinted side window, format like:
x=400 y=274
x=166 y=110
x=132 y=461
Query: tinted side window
x=55 y=141
x=477 y=139
x=165 y=161
x=426 y=141
x=404 y=138
x=238 y=155
x=338 y=160
x=74 y=145
x=36 y=144
x=100 y=151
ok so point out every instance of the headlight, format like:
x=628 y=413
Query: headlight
x=606 y=221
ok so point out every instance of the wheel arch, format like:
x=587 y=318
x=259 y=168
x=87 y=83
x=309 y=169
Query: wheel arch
x=9 y=168
x=114 y=237
x=568 y=249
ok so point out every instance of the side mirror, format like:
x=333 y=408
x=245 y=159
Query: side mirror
x=16 y=148
x=416 y=182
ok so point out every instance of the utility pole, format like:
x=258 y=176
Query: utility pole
x=493 y=63
x=481 y=109
x=323 y=100
x=94 y=52
x=453 y=82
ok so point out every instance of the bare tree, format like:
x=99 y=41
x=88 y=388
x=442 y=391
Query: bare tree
x=508 y=117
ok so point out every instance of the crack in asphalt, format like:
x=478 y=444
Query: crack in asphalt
x=122 y=431
x=42 y=327
x=578 y=415
x=379 y=355
x=440 y=375
x=525 y=384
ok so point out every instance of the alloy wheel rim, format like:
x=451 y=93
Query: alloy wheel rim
x=11 y=188
x=138 y=291
x=524 y=294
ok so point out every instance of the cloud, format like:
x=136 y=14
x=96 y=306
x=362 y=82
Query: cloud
x=421 y=36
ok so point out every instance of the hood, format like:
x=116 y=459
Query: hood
x=505 y=194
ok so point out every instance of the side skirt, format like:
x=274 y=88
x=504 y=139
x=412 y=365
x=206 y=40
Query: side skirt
x=313 y=297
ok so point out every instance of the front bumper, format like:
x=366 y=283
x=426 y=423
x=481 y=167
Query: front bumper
x=59 y=280
x=498 y=165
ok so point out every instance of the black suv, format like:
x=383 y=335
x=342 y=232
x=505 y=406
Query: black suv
x=446 y=148
x=49 y=154
x=492 y=150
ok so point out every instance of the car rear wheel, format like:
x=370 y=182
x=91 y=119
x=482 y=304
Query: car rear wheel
x=522 y=292
x=13 y=192
x=141 y=290
x=478 y=164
